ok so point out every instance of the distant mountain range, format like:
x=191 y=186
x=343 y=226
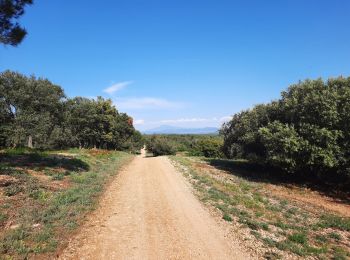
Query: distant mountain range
x=166 y=129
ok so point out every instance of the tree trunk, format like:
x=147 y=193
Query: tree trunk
x=30 y=142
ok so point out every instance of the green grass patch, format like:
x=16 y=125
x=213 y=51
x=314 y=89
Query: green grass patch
x=227 y=217
x=49 y=216
x=255 y=234
x=12 y=190
x=269 y=242
x=57 y=177
x=340 y=253
x=321 y=238
x=333 y=221
x=300 y=238
x=334 y=235
x=3 y=218
x=253 y=224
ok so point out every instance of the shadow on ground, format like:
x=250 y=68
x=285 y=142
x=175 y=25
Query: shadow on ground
x=40 y=160
x=263 y=174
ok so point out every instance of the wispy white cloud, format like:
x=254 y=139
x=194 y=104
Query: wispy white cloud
x=225 y=119
x=146 y=103
x=185 y=120
x=116 y=87
x=139 y=122
x=196 y=120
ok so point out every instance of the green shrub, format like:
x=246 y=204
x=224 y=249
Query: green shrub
x=306 y=132
x=160 y=146
x=192 y=144
x=57 y=177
x=227 y=217
x=282 y=145
x=209 y=147
x=12 y=190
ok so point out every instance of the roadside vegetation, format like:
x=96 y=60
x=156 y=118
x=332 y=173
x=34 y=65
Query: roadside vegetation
x=159 y=145
x=45 y=196
x=56 y=156
x=35 y=113
x=306 y=133
x=262 y=172
x=190 y=144
x=58 y=153
x=271 y=225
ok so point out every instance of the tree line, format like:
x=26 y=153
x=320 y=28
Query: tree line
x=191 y=144
x=36 y=113
x=305 y=132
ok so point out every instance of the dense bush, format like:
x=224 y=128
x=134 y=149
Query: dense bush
x=36 y=113
x=208 y=147
x=160 y=146
x=193 y=144
x=306 y=131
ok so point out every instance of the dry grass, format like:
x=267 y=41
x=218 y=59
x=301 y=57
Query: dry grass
x=280 y=225
x=48 y=196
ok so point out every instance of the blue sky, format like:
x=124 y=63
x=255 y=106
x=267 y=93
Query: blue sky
x=189 y=63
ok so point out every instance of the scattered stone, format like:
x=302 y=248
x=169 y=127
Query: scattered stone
x=15 y=226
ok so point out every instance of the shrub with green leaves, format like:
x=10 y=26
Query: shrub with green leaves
x=282 y=144
x=209 y=147
x=306 y=131
x=160 y=146
x=35 y=113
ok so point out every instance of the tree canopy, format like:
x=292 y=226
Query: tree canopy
x=306 y=131
x=36 y=113
x=11 y=33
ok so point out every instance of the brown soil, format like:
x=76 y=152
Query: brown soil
x=306 y=196
x=6 y=180
x=47 y=181
x=20 y=200
x=149 y=212
x=310 y=197
x=95 y=152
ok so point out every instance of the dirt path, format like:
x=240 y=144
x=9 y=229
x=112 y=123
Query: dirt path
x=149 y=212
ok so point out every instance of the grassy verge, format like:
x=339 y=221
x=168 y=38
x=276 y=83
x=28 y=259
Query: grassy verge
x=281 y=226
x=45 y=196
